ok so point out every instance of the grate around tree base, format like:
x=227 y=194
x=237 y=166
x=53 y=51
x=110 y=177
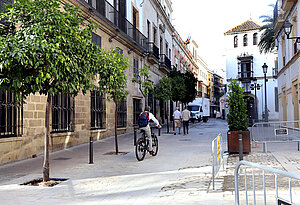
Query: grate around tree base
x=39 y=182
x=114 y=153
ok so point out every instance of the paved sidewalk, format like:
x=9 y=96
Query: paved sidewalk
x=179 y=174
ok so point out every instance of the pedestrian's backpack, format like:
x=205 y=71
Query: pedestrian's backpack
x=143 y=119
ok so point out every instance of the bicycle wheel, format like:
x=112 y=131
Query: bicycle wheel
x=154 y=145
x=140 y=149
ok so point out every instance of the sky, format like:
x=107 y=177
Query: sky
x=207 y=21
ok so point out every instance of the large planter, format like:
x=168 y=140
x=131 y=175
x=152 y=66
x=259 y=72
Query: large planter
x=233 y=141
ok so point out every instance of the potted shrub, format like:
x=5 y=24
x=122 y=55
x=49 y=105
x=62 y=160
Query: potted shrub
x=237 y=119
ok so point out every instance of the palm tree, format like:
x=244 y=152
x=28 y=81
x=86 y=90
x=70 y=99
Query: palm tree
x=267 y=40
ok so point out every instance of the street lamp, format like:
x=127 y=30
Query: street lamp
x=288 y=29
x=255 y=86
x=265 y=70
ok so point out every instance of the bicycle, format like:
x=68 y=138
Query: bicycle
x=142 y=145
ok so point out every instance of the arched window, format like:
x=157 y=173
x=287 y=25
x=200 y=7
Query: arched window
x=235 y=41
x=255 y=39
x=245 y=40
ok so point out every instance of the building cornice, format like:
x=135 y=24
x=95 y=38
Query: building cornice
x=291 y=62
x=163 y=16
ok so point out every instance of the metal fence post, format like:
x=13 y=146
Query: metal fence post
x=134 y=136
x=91 y=150
x=264 y=147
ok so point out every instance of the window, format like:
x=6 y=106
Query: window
x=137 y=109
x=245 y=65
x=167 y=48
x=161 y=45
x=170 y=54
x=255 y=39
x=98 y=111
x=148 y=30
x=235 y=41
x=62 y=113
x=96 y=39
x=245 y=40
x=135 y=68
x=122 y=114
x=11 y=116
x=154 y=35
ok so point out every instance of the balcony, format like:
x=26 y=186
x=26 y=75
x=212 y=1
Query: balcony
x=245 y=76
x=114 y=17
x=287 y=4
x=153 y=53
x=164 y=63
x=278 y=18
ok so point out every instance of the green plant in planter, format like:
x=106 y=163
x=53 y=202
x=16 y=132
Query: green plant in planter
x=237 y=117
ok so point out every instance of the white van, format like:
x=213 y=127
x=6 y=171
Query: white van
x=199 y=109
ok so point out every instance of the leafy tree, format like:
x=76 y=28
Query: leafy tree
x=178 y=85
x=267 y=40
x=143 y=79
x=49 y=52
x=237 y=117
x=191 y=91
x=163 y=91
x=183 y=86
x=113 y=80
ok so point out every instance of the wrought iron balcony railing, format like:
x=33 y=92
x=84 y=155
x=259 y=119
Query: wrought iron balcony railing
x=246 y=75
x=115 y=17
x=164 y=61
x=153 y=50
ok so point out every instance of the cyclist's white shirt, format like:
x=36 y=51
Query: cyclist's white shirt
x=151 y=117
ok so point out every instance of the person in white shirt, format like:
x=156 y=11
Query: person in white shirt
x=147 y=128
x=177 y=120
x=186 y=115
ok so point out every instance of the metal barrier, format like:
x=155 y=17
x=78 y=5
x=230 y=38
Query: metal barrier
x=281 y=131
x=217 y=156
x=276 y=172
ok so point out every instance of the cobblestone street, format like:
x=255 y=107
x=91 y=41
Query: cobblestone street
x=179 y=174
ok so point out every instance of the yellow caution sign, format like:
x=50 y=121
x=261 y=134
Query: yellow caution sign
x=218 y=148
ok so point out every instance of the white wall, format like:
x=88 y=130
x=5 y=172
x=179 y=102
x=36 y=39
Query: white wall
x=258 y=60
x=292 y=71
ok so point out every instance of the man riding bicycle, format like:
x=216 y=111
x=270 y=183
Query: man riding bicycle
x=143 y=123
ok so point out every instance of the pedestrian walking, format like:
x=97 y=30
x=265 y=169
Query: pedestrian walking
x=177 y=120
x=186 y=115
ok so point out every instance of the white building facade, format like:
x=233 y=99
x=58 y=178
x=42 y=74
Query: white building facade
x=288 y=59
x=244 y=62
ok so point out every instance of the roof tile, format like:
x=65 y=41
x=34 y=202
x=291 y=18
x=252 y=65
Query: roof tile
x=246 y=26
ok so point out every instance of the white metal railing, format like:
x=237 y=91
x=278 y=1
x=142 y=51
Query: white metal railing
x=217 y=156
x=276 y=172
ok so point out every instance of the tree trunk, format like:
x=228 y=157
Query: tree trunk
x=46 y=168
x=116 y=122
x=167 y=115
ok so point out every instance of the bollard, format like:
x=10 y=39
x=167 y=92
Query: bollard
x=134 y=136
x=298 y=146
x=91 y=150
x=264 y=147
x=240 y=147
